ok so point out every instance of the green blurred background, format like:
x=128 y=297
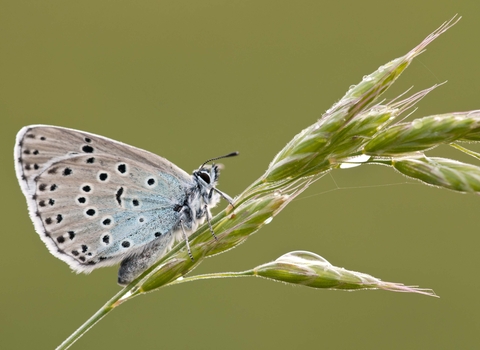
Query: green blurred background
x=190 y=80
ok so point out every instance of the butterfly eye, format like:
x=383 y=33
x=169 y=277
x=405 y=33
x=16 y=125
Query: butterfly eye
x=205 y=177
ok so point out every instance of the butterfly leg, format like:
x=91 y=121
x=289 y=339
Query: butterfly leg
x=186 y=241
x=225 y=196
x=207 y=214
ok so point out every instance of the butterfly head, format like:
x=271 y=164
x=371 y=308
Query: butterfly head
x=207 y=175
x=206 y=178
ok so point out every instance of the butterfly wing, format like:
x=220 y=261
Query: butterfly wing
x=95 y=201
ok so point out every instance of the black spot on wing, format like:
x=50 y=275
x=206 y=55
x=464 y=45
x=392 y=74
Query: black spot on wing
x=87 y=149
x=106 y=222
x=118 y=195
x=122 y=168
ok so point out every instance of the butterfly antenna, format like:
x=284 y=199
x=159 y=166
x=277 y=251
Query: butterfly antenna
x=233 y=154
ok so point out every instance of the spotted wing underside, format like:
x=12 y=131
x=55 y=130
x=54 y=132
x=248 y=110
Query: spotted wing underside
x=93 y=200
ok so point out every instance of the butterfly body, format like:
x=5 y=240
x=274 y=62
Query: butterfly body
x=96 y=202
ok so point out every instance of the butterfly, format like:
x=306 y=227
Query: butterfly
x=97 y=202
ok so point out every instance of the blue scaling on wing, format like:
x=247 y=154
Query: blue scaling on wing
x=146 y=215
